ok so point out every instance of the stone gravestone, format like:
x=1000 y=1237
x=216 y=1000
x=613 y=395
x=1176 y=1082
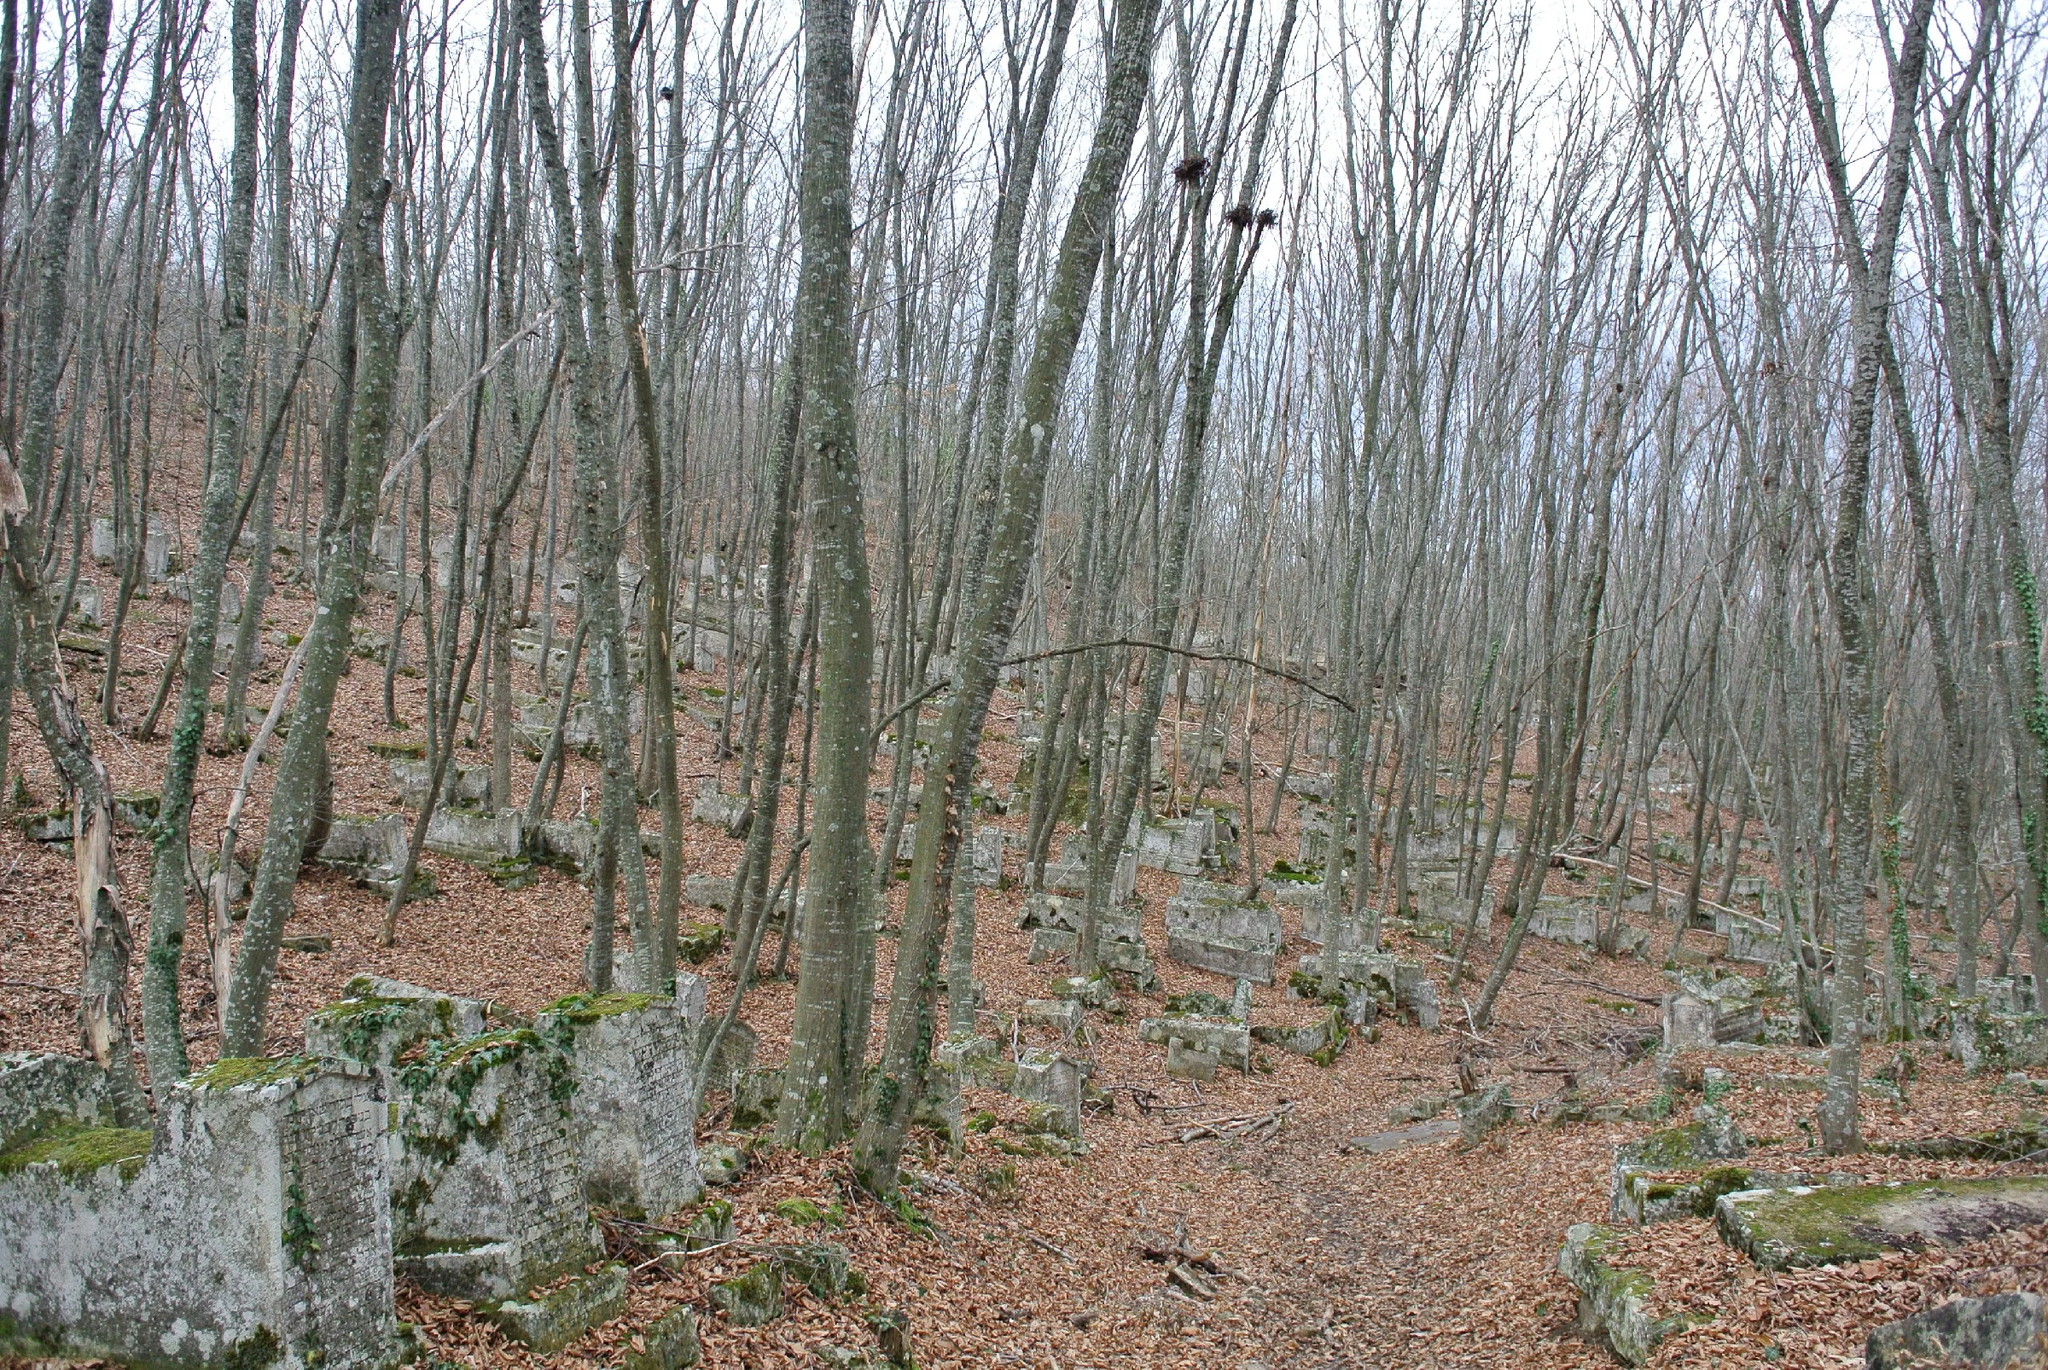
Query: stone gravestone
x=254 y=1229
x=1209 y=928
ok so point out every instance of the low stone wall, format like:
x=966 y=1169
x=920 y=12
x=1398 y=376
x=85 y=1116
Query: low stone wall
x=256 y=1230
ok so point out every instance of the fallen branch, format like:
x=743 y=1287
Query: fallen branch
x=1238 y=1128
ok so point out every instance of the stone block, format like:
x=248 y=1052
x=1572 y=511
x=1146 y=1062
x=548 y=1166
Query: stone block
x=253 y=1229
x=668 y=1343
x=1049 y=943
x=1049 y=1078
x=554 y=1319
x=691 y=996
x=1481 y=1113
x=632 y=1113
x=1212 y=931
x=752 y=1298
x=1574 y=922
x=487 y=1196
x=367 y=848
x=1184 y=1062
x=1316 y=787
x=1069 y=874
x=1755 y=940
x=379 y=1020
x=720 y=1164
x=1178 y=846
x=728 y=813
x=462 y=785
x=735 y=1051
x=1784 y=1229
x=986 y=856
x=1228 y=1038
x=1326 y=1034
x=1998 y=1041
x=2002 y=1332
x=1614 y=1300
x=707 y=891
x=480 y=838
x=1061 y=1015
x=43 y=1090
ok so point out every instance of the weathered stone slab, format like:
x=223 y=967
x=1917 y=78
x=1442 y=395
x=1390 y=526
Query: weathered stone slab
x=1185 y=1062
x=1999 y=1041
x=255 y=1229
x=487 y=1197
x=670 y=1342
x=986 y=858
x=1574 y=922
x=632 y=1059
x=1228 y=1038
x=555 y=1319
x=379 y=1020
x=1069 y=874
x=1207 y=928
x=1784 y=1229
x=481 y=838
x=1049 y=1078
x=1048 y=944
x=726 y=812
x=1061 y=1015
x=1614 y=1299
x=1754 y=940
x=1379 y=1143
x=2002 y=1332
x=1179 y=846
x=43 y=1090
x=460 y=785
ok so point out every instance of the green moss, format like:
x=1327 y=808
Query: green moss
x=81 y=1152
x=255 y=1351
x=236 y=1071
x=582 y=1009
x=1307 y=873
x=805 y=1213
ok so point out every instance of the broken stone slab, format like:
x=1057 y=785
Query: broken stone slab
x=1481 y=1113
x=1320 y=1041
x=1061 y=1015
x=726 y=812
x=1574 y=922
x=469 y=785
x=1785 y=1229
x=735 y=1052
x=1379 y=1143
x=1317 y=787
x=44 y=1090
x=668 y=1343
x=986 y=858
x=1095 y=991
x=2002 y=1332
x=1048 y=944
x=1614 y=1299
x=478 y=838
x=1697 y=1017
x=1647 y=1196
x=692 y=993
x=1055 y=1080
x=752 y=1298
x=1185 y=1062
x=1178 y=846
x=378 y=1020
x=1367 y=978
x=1215 y=932
x=1059 y=912
x=1229 y=1039
x=1069 y=874
x=487 y=1192
x=553 y=1320
x=720 y=1164
x=197 y=1245
x=824 y=1268
x=633 y=1109
x=1754 y=940
x=1130 y=956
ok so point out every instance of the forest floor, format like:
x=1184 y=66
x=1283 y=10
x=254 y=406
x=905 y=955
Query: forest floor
x=1426 y=1255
